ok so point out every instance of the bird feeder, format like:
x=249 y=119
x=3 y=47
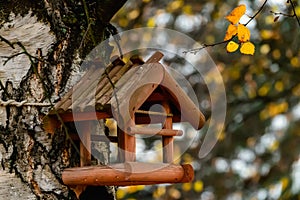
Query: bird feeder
x=138 y=86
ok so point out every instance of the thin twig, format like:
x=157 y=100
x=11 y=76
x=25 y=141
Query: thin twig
x=259 y=10
x=11 y=44
x=196 y=50
x=7 y=42
x=294 y=10
x=283 y=14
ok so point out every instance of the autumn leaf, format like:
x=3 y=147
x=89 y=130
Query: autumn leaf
x=231 y=31
x=232 y=46
x=236 y=14
x=243 y=33
x=247 y=48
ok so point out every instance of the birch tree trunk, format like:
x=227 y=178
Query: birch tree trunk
x=41 y=46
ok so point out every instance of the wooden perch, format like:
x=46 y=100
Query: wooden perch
x=129 y=173
x=154 y=131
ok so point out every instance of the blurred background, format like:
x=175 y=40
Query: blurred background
x=258 y=153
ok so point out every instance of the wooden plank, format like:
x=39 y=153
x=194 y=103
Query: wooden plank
x=189 y=110
x=135 y=88
x=154 y=131
x=86 y=91
x=108 y=88
x=80 y=88
x=106 y=93
x=156 y=57
x=93 y=76
x=98 y=80
x=167 y=141
x=68 y=95
x=130 y=173
x=101 y=84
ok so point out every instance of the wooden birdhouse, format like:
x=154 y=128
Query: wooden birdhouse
x=127 y=95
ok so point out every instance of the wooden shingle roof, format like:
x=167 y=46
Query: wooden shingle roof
x=96 y=92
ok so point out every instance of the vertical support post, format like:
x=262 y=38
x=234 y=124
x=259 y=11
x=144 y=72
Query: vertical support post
x=85 y=143
x=127 y=145
x=167 y=141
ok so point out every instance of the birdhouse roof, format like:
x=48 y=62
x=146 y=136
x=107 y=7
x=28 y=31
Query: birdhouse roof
x=126 y=87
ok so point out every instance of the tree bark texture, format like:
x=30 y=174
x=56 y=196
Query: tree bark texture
x=53 y=37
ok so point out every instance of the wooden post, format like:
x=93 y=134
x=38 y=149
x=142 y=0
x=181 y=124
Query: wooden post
x=85 y=143
x=127 y=145
x=167 y=141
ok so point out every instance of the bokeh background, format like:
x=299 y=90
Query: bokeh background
x=258 y=153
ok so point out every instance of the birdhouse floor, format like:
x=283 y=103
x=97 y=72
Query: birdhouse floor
x=129 y=173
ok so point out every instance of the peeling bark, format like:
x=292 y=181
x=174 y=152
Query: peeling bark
x=53 y=31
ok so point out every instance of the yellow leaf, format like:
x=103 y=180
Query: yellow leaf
x=243 y=33
x=231 y=31
x=247 y=48
x=232 y=46
x=236 y=14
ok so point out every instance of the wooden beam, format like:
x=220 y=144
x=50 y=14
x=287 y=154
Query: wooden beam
x=154 y=131
x=85 y=143
x=167 y=141
x=156 y=57
x=147 y=112
x=127 y=145
x=84 y=116
x=130 y=173
x=143 y=119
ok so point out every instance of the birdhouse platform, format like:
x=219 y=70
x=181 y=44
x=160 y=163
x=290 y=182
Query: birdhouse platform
x=126 y=92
